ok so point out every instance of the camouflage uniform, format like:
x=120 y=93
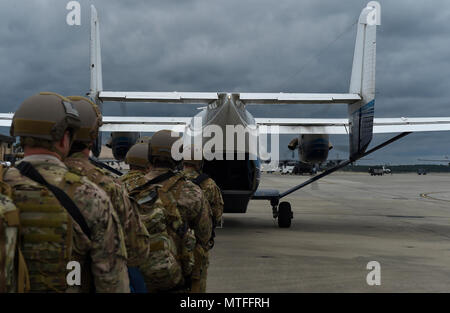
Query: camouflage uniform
x=214 y=197
x=133 y=179
x=192 y=205
x=193 y=208
x=212 y=193
x=8 y=241
x=102 y=258
x=136 y=235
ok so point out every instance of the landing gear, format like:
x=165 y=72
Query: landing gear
x=281 y=211
x=285 y=215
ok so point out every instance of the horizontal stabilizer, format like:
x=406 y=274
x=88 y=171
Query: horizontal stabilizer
x=247 y=98
x=274 y=98
x=174 y=97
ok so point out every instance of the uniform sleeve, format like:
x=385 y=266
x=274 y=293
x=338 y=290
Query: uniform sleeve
x=215 y=201
x=195 y=208
x=203 y=229
x=136 y=235
x=107 y=251
x=137 y=239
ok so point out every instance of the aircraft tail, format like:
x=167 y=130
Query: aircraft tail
x=95 y=56
x=96 y=71
x=362 y=82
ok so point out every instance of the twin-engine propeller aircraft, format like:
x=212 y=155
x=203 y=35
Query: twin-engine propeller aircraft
x=239 y=178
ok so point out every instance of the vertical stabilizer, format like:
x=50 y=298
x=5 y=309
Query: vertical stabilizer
x=362 y=82
x=96 y=71
x=95 y=56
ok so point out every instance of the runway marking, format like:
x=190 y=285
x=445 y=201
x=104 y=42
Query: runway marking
x=427 y=196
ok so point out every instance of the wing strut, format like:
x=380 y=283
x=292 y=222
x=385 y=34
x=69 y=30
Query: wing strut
x=341 y=165
x=99 y=163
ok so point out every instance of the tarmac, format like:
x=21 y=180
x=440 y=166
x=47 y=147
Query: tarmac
x=341 y=223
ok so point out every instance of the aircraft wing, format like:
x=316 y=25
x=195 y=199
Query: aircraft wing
x=127 y=124
x=341 y=126
x=143 y=124
x=5 y=119
x=332 y=126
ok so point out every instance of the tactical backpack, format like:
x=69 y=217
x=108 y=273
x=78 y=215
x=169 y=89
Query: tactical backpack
x=13 y=269
x=133 y=180
x=46 y=231
x=171 y=260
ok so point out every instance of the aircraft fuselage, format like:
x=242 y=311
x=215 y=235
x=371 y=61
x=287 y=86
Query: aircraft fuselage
x=238 y=173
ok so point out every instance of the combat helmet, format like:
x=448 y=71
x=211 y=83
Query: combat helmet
x=91 y=119
x=44 y=118
x=160 y=148
x=137 y=156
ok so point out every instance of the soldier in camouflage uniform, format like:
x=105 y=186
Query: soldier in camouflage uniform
x=11 y=258
x=136 y=235
x=186 y=196
x=192 y=170
x=50 y=235
x=137 y=159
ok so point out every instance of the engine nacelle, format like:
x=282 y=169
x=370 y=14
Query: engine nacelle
x=121 y=142
x=312 y=148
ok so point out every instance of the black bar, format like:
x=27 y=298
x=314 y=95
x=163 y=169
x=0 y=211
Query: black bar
x=315 y=178
x=341 y=165
x=384 y=144
x=105 y=166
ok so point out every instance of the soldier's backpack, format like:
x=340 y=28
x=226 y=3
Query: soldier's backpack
x=46 y=227
x=172 y=242
x=133 y=180
x=13 y=269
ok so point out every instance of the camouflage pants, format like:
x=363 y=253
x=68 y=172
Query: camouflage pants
x=200 y=271
x=199 y=285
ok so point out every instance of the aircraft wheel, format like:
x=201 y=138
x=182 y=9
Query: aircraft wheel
x=285 y=215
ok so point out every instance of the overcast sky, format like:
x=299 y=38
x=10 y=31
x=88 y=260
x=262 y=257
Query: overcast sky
x=236 y=45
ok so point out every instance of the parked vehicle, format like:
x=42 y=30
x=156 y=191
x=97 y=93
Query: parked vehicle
x=287 y=169
x=422 y=171
x=376 y=171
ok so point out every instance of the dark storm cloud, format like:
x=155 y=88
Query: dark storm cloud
x=252 y=45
